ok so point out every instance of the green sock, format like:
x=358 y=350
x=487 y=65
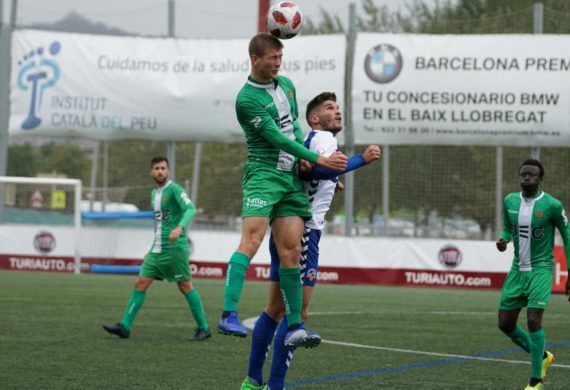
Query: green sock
x=133 y=307
x=536 y=352
x=235 y=276
x=292 y=291
x=196 y=308
x=520 y=338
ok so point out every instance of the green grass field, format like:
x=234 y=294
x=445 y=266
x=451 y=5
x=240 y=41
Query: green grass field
x=374 y=337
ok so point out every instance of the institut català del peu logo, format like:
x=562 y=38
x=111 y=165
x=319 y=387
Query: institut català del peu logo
x=383 y=63
x=38 y=71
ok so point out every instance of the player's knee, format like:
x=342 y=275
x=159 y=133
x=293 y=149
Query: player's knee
x=185 y=286
x=534 y=323
x=506 y=325
x=290 y=256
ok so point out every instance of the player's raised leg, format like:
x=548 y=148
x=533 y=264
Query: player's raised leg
x=287 y=232
x=253 y=231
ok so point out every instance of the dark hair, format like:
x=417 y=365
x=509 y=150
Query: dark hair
x=157 y=159
x=536 y=163
x=260 y=43
x=317 y=101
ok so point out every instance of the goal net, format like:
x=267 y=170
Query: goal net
x=40 y=223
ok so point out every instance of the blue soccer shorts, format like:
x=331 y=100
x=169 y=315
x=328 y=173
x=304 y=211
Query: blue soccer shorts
x=309 y=261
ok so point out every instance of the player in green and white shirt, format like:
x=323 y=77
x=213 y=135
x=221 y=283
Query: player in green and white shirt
x=266 y=109
x=168 y=257
x=530 y=218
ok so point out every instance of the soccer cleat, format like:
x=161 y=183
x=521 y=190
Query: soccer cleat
x=247 y=385
x=546 y=363
x=231 y=326
x=117 y=329
x=300 y=337
x=201 y=335
x=538 y=386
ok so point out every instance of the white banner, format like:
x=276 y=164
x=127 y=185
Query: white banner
x=462 y=89
x=106 y=87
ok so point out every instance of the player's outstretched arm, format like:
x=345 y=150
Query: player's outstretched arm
x=336 y=161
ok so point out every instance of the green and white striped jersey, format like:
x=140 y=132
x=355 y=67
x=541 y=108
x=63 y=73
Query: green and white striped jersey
x=530 y=224
x=268 y=116
x=172 y=207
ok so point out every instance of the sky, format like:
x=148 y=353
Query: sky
x=194 y=18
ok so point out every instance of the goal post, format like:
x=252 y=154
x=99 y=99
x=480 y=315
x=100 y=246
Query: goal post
x=21 y=196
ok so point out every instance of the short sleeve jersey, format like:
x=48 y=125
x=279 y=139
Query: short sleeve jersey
x=268 y=116
x=530 y=224
x=320 y=192
x=172 y=207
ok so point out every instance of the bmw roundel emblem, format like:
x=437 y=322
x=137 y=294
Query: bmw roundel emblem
x=383 y=63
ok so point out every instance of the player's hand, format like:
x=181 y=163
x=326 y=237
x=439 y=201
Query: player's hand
x=305 y=167
x=339 y=186
x=336 y=161
x=372 y=153
x=501 y=244
x=175 y=233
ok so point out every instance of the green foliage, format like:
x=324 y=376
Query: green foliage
x=23 y=160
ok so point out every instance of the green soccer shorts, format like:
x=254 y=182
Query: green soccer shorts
x=172 y=264
x=269 y=192
x=527 y=289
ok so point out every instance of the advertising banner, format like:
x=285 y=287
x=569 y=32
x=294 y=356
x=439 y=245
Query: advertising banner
x=511 y=90
x=109 y=87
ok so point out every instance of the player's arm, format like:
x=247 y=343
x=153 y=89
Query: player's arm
x=372 y=153
x=506 y=235
x=254 y=115
x=561 y=222
x=189 y=210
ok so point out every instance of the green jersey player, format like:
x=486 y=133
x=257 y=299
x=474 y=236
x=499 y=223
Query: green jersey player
x=267 y=111
x=169 y=253
x=529 y=220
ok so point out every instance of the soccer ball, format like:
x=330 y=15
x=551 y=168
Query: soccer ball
x=284 y=20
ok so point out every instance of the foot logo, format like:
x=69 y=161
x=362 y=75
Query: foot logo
x=38 y=72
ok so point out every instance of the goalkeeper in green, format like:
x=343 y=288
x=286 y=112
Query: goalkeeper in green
x=529 y=220
x=168 y=257
x=267 y=111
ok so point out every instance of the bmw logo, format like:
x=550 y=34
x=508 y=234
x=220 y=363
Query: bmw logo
x=383 y=63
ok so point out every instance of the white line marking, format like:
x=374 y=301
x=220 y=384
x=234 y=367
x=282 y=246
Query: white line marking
x=410 y=351
x=250 y=322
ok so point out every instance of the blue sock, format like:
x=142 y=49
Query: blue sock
x=261 y=338
x=282 y=357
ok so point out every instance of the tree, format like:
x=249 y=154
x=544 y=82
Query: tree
x=23 y=160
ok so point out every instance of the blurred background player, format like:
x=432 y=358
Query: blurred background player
x=273 y=194
x=324 y=117
x=168 y=257
x=529 y=220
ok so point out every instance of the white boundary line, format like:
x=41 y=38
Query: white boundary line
x=250 y=322
x=411 y=351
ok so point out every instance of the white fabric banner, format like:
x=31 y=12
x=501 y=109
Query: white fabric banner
x=462 y=89
x=106 y=87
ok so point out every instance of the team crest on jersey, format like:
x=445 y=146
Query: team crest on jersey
x=164 y=198
x=290 y=94
x=539 y=214
x=312 y=274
